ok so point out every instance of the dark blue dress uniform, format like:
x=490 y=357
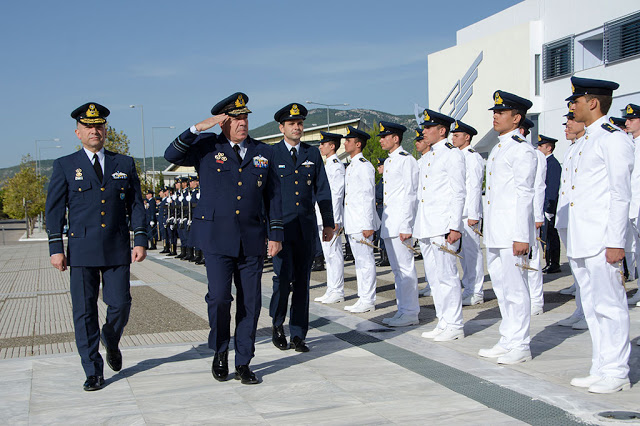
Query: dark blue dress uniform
x=302 y=183
x=231 y=228
x=150 y=217
x=99 y=241
x=552 y=182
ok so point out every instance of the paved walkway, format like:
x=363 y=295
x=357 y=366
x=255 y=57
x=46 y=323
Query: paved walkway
x=358 y=370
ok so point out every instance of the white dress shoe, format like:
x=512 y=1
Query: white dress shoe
x=474 y=299
x=515 y=356
x=425 y=292
x=403 y=320
x=433 y=333
x=638 y=304
x=580 y=325
x=570 y=291
x=610 y=385
x=568 y=322
x=350 y=307
x=537 y=310
x=585 y=382
x=633 y=300
x=321 y=298
x=386 y=320
x=363 y=307
x=493 y=352
x=333 y=298
x=449 y=334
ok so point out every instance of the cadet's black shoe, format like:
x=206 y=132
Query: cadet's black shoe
x=165 y=249
x=299 y=345
x=220 y=366
x=93 y=383
x=200 y=258
x=245 y=375
x=183 y=253
x=384 y=259
x=552 y=269
x=279 y=339
x=318 y=264
x=114 y=356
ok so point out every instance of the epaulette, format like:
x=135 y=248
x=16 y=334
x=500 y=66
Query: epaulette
x=449 y=145
x=404 y=153
x=364 y=160
x=471 y=150
x=518 y=138
x=335 y=160
x=609 y=128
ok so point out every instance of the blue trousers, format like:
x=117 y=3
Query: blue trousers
x=292 y=271
x=85 y=286
x=246 y=272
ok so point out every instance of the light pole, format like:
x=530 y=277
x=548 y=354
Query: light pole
x=36 y=153
x=153 y=148
x=144 y=152
x=40 y=153
x=326 y=105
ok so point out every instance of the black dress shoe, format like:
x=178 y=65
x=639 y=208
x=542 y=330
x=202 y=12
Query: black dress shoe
x=299 y=345
x=93 y=383
x=552 y=269
x=245 y=375
x=114 y=356
x=220 y=366
x=279 y=339
x=318 y=264
x=545 y=269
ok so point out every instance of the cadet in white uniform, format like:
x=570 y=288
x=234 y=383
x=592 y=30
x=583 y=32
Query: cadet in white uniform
x=509 y=228
x=632 y=124
x=422 y=147
x=441 y=194
x=360 y=218
x=472 y=259
x=534 y=278
x=332 y=250
x=398 y=216
x=598 y=220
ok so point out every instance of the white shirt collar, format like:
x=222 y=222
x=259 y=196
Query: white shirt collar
x=289 y=146
x=100 y=155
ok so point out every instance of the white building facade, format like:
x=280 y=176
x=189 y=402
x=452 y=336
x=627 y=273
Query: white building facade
x=532 y=49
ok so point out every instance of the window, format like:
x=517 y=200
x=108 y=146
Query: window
x=622 y=38
x=537 y=74
x=557 y=58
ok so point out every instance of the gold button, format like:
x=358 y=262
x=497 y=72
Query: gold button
x=346 y=204
x=493 y=159
x=102 y=213
x=79 y=189
x=573 y=187
x=423 y=188
x=239 y=183
x=576 y=170
x=237 y=211
x=422 y=200
x=499 y=145
x=104 y=226
x=296 y=172
x=203 y=217
x=489 y=173
x=101 y=189
x=281 y=175
x=240 y=169
x=428 y=164
x=296 y=182
x=72 y=234
x=238 y=197
x=385 y=192
x=571 y=204
x=297 y=193
x=488 y=202
x=580 y=153
x=586 y=137
x=426 y=176
x=297 y=204
x=562 y=192
x=385 y=204
x=218 y=169
x=489 y=188
x=103 y=201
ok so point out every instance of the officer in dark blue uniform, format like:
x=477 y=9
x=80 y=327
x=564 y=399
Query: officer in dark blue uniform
x=172 y=218
x=150 y=220
x=304 y=182
x=238 y=185
x=163 y=214
x=100 y=189
x=196 y=254
x=549 y=233
x=384 y=259
x=181 y=216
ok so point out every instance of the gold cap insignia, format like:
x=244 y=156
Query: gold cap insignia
x=321 y=136
x=497 y=99
x=348 y=130
x=417 y=134
x=611 y=121
x=294 y=110
x=426 y=116
x=629 y=109
x=92 y=111
x=381 y=127
x=240 y=102
x=539 y=139
x=457 y=125
x=573 y=88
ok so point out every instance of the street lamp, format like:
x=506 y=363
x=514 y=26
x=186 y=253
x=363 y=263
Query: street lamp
x=153 y=148
x=36 y=153
x=40 y=153
x=144 y=152
x=326 y=105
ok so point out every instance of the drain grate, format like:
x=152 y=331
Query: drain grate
x=620 y=415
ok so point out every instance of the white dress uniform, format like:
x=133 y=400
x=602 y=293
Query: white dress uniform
x=441 y=195
x=633 y=242
x=534 y=278
x=398 y=216
x=332 y=250
x=598 y=218
x=360 y=215
x=508 y=214
x=472 y=259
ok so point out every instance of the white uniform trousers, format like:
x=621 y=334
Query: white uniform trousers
x=580 y=273
x=632 y=251
x=534 y=278
x=404 y=272
x=510 y=286
x=605 y=308
x=472 y=262
x=365 y=268
x=442 y=272
x=334 y=262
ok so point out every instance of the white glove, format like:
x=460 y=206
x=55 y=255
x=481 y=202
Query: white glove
x=198 y=195
x=188 y=197
x=549 y=215
x=152 y=223
x=180 y=198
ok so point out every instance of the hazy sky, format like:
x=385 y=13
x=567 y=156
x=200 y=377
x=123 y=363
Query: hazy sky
x=178 y=59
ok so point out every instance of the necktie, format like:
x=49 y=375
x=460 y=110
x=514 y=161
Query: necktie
x=236 y=148
x=294 y=155
x=96 y=167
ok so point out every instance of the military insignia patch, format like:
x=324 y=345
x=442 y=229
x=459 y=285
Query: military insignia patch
x=308 y=163
x=321 y=137
x=449 y=145
x=348 y=130
x=426 y=116
x=517 y=138
x=220 y=157
x=629 y=109
x=573 y=88
x=122 y=196
x=404 y=153
x=259 y=183
x=457 y=125
x=281 y=166
x=539 y=139
x=240 y=102
x=381 y=127
x=335 y=160
x=364 y=160
x=497 y=99
x=260 y=162
x=609 y=128
x=294 y=110
x=472 y=150
x=119 y=175
x=79 y=174
x=417 y=134
x=92 y=111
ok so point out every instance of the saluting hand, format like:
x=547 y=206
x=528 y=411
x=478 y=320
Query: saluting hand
x=59 y=261
x=211 y=121
x=138 y=254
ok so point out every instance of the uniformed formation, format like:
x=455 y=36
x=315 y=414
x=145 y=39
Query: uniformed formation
x=259 y=201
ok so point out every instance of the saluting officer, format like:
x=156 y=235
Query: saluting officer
x=332 y=250
x=360 y=218
x=472 y=258
x=239 y=185
x=398 y=216
x=509 y=228
x=438 y=226
x=99 y=188
x=598 y=220
x=303 y=183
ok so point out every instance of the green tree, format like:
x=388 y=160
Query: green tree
x=373 y=150
x=159 y=183
x=24 y=189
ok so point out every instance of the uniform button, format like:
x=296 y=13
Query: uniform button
x=101 y=189
x=102 y=213
x=296 y=172
x=103 y=201
x=385 y=204
x=562 y=192
x=297 y=193
x=576 y=170
x=72 y=234
x=580 y=153
x=238 y=197
x=423 y=188
x=240 y=169
x=489 y=173
x=281 y=175
x=489 y=188
x=104 y=226
x=297 y=204
x=422 y=201
x=428 y=164
x=586 y=137
x=346 y=204
x=488 y=202
x=237 y=211
x=573 y=187
x=239 y=183
x=499 y=145
x=571 y=204
x=296 y=182
x=218 y=169
x=203 y=217
x=493 y=159
x=79 y=189
x=563 y=181
x=426 y=176
x=385 y=192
